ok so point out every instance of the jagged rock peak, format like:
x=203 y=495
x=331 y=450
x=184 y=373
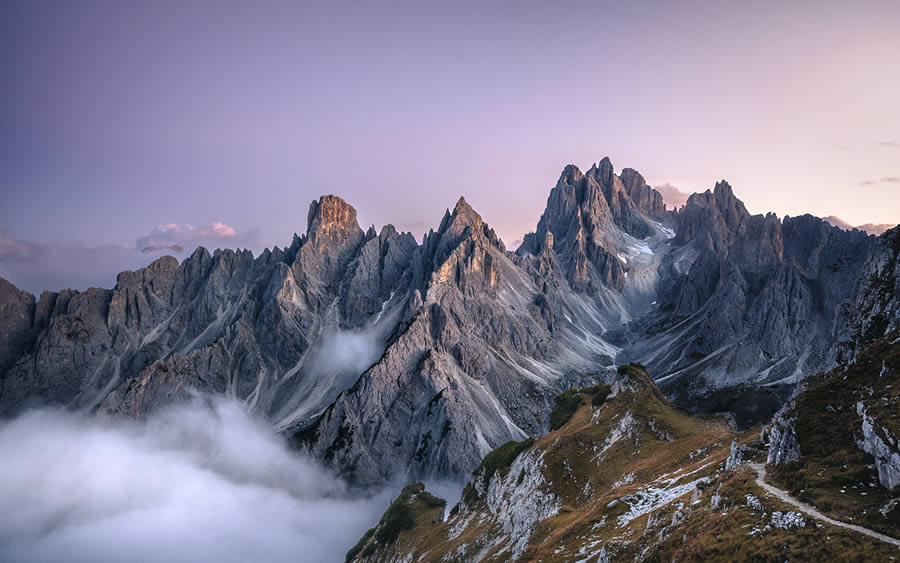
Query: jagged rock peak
x=331 y=214
x=721 y=195
x=713 y=217
x=571 y=175
x=17 y=312
x=579 y=218
x=163 y=264
x=723 y=189
x=602 y=171
x=388 y=231
x=464 y=216
x=463 y=209
x=632 y=175
x=644 y=197
x=199 y=255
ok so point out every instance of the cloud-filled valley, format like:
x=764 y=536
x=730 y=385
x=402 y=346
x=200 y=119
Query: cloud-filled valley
x=201 y=481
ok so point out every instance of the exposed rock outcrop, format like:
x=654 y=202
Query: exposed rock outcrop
x=873 y=309
x=560 y=497
x=647 y=200
x=520 y=499
x=736 y=457
x=454 y=382
x=17 y=323
x=884 y=447
x=579 y=218
x=746 y=301
x=712 y=218
x=251 y=328
x=782 y=439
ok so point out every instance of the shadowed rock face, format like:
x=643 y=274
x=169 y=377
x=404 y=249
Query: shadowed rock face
x=16 y=322
x=873 y=309
x=458 y=376
x=646 y=200
x=626 y=214
x=756 y=306
x=712 y=218
x=579 y=219
x=382 y=356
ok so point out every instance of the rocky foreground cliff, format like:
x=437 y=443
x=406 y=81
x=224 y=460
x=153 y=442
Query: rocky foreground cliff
x=627 y=477
x=382 y=356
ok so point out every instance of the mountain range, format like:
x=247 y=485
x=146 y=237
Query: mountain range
x=384 y=357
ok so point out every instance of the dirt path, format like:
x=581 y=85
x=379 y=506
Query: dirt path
x=811 y=511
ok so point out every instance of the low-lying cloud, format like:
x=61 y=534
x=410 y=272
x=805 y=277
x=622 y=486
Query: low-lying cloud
x=333 y=364
x=871 y=228
x=194 y=483
x=673 y=197
x=37 y=266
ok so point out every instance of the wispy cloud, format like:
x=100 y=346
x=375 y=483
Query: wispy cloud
x=890 y=144
x=172 y=236
x=417 y=227
x=35 y=266
x=883 y=180
x=673 y=196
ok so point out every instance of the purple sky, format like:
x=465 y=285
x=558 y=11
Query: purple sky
x=123 y=122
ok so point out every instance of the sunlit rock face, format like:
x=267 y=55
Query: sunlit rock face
x=381 y=355
x=255 y=329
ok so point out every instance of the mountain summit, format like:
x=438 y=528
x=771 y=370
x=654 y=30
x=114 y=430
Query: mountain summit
x=382 y=356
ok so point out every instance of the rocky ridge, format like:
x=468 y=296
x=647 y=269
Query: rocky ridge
x=873 y=309
x=626 y=476
x=748 y=305
x=381 y=355
x=835 y=444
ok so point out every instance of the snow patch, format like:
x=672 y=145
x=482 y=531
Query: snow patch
x=651 y=498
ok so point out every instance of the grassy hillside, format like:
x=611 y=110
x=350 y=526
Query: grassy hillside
x=624 y=476
x=833 y=473
x=414 y=511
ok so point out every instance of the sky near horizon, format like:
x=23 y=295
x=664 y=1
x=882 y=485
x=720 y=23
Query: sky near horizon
x=126 y=124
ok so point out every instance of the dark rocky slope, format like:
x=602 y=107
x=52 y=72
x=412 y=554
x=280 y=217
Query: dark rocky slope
x=748 y=305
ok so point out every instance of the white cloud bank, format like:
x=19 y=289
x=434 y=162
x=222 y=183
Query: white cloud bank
x=194 y=483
